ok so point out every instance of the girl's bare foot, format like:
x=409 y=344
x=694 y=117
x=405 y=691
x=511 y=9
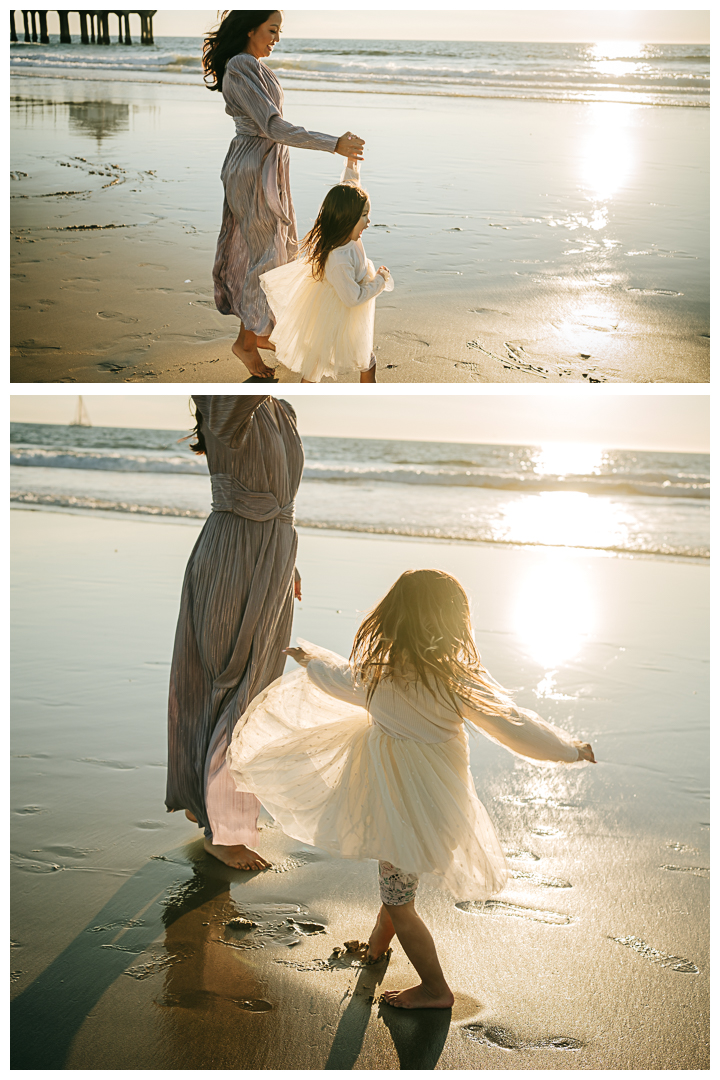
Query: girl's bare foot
x=191 y=817
x=418 y=997
x=369 y=375
x=382 y=935
x=253 y=361
x=265 y=343
x=238 y=856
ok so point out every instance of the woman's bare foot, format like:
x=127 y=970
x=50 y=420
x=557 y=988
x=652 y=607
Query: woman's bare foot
x=264 y=343
x=418 y=997
x=191 y=817
x=238 y=856
x=382 y=935
x=369 y=375
x=253 y=361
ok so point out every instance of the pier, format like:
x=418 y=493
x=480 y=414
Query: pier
x=94 y=27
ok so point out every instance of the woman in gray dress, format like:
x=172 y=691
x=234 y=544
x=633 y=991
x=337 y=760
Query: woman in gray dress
x=235 y=611
x=259 y=230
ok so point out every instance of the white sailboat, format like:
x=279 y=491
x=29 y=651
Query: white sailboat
x=81 y=418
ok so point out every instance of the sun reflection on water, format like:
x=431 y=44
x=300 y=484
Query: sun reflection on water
x=563 y=459
x=565 y=518
x=607 y=155
x=554 y=611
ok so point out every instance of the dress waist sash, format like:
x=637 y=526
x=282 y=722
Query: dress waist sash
x=244 y=125
x=230 y=496
x=269 y=166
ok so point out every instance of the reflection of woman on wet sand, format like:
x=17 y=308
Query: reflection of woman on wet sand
x=258 y=229
x=235 y=611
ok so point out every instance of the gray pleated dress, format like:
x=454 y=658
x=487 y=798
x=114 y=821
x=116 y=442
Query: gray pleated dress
x=259 y=230
x=236 y=607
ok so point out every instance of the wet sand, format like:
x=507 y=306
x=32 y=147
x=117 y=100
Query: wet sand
x=127 y=951
x=529 y=241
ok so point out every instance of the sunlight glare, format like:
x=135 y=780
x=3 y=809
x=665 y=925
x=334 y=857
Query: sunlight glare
x=554 y=611
x=607 y=156
x=563 y=459
x=564 y=518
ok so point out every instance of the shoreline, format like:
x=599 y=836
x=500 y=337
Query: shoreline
x=337 y=532
x=336 y=88
x=508 y=266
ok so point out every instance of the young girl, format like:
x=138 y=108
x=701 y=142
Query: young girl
x=386 y=774
x=324 y=302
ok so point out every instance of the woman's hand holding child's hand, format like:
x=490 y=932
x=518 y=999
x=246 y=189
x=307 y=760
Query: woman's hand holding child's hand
x=299 y=656
x=384 y=272
x=350 y=146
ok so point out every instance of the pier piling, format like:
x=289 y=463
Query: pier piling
x=98 y=31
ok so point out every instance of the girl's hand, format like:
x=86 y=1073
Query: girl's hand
x=384 y=272
x=350 y=146
x=585 y=752
x=299 y=656
x=297 y=585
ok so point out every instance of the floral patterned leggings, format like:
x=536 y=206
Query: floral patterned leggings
x=396 y=887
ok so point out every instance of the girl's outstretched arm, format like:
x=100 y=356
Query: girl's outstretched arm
x=527 y=735
x=329 y=672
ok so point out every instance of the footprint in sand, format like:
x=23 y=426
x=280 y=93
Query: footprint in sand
x=500 y=1038
x=80 y=284
x=655 y=292
x=677 y=963
x=675 y=845
x=153 y=266
x=696 y=871
x=270 y=924
x=153 y=966
x=198 y=999
x=546 y=830
x=118 y=315
x=294 y=861
x=521 y=854
x=500 y=907
x=538 y=879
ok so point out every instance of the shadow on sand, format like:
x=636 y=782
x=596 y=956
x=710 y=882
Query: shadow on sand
x=57 y=1003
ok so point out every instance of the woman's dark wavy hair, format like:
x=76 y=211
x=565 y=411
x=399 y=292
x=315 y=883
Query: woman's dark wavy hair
x=421 y=629
x=340 y=212
x=229 y=39
x=198 y=447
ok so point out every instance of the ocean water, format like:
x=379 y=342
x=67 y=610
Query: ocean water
x=630 y=72
x=622 y=502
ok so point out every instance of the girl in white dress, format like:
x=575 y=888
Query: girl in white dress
x=324 y=302
x=369 y=760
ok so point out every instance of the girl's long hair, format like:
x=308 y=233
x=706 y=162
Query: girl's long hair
x=229 y=39
x=340 y=212
x=422 y=629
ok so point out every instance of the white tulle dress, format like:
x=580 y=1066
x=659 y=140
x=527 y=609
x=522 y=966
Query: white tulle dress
x=325 y=328
x=391 y=784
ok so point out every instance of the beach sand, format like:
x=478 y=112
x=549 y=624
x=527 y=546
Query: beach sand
x=529 y=241
x=594 y=957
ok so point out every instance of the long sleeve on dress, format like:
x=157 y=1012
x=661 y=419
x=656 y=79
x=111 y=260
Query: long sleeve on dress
x=336 y=680
x=526 y=734
x=339 y=273
x=243 y=89
x=228 y=416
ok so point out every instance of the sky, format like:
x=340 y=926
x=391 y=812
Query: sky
x=535 y=24
x=624 y=421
